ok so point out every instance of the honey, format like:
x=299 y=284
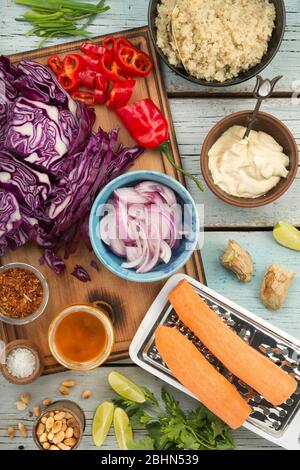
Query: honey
x=81 y=337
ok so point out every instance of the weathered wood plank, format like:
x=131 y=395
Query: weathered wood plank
x=96 y=381
x=193 y=118
x=133 y=13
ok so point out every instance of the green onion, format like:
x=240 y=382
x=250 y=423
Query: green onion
x=58 y=18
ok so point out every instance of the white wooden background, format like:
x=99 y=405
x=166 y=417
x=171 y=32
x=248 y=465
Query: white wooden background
x=195 y=110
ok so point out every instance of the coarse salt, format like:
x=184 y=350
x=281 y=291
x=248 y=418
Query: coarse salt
x=21 y=363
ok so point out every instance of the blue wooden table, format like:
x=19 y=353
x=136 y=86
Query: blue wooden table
x=194 y=112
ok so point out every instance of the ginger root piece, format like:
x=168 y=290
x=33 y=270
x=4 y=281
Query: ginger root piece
x=237 y=260
x=275 y=286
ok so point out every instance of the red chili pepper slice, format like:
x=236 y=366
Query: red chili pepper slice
x=108 y=43
x=120 y=94
x=55 y=64
x=87 y=78
x=110 y=69
x=85 y=96
x=134 y=62
x=121 y=42
x=101 y=86
x=73 y=63
x=69 y=82
x=92 y=50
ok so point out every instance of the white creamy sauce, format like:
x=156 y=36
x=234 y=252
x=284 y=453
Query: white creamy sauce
x=247 y=167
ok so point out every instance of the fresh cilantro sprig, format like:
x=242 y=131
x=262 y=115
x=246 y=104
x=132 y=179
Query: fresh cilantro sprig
x=169 y=427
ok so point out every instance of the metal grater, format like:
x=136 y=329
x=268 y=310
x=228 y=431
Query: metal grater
x=281 y=424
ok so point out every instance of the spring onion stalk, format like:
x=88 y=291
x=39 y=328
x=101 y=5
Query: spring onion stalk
x=58 y=18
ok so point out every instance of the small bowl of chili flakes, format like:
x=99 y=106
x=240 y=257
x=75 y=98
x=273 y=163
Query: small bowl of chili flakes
x=24 y=293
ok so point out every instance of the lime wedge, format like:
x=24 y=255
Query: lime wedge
x=125 y=388
x=102 y=422
x=287 y=235
x=123 y=430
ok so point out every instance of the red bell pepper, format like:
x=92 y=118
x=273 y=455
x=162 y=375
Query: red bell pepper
x=133 y=62
x=121 y=42
x=101 y=86
x=87 y=78
x=91 y=63
x=92 y=50
x=69 y=82
x=149 y=128
x=55 y=64
x=109 y=43
x=110 y=69
x=86 y=97
x=73 y=64
x=120 y=94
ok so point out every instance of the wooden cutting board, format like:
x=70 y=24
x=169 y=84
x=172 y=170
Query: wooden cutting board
x=129 y=301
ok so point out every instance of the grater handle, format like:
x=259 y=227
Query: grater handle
x=292 y=434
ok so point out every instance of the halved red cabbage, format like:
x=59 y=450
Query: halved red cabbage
x=10 y=215
x=29 y=186
x=40 y=134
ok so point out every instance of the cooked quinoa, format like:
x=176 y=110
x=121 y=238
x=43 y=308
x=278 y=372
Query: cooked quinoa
x=217 y=39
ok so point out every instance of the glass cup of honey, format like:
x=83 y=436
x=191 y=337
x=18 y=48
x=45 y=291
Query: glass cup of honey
x=81 y=337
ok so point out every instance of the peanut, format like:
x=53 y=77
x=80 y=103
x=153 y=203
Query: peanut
x=50 y=436
x=40 y=429
x=70 y=441
x=86 y=394
x=25 y=397
x=69 y=383
x=49 y=423
x=59 y=437
x=72 y=423
x=22 y=429
x=69 y=432
x=43 y=438
x=44 y=419
x=47 y=401
x=36 y=411
x=57 y=426
x=64 y=427
x=64 y=390
x=46 y=446
x=53 y=447
x=63 y=446
x=68 y=416
x=59 y=416
x=10 y=432
x=76 y=432
x=21 y=406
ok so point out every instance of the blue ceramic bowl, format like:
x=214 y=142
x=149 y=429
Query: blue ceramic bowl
x=179 y=257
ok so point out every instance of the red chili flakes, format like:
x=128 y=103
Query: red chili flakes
x=21 y=293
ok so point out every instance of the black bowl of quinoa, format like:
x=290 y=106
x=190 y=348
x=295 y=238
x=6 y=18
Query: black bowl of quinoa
x=273 y=47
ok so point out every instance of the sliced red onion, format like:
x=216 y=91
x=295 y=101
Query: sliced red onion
x=144 y=226
x=130 y=196
x=151 y=187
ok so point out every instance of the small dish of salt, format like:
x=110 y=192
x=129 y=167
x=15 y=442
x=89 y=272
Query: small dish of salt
x=21 y=362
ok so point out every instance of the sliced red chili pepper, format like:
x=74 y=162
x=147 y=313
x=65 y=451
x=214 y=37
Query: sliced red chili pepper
x=134 y=62
x=55 y=64
x=110 y=69
x=121 y=42
x=73 y=64
x=109 y=43
x=69 y=82
x=92 y=50
x=101 y=86
x=85 y=96
x=87 y=78
x=120 y=94
x=91 y=62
